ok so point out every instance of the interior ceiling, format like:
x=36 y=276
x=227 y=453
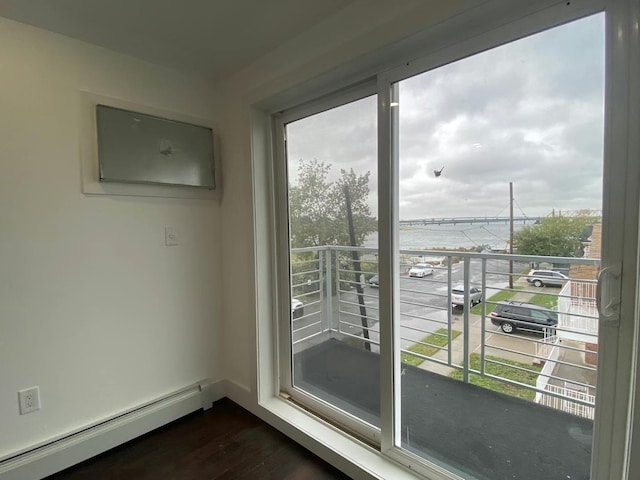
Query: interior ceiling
x=213 y=38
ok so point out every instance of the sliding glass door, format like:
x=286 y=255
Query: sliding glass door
x=454 y=243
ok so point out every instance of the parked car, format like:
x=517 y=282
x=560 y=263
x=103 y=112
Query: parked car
x=421 y=270
x=297 y=308
x=512 y=316
x=543 y=278
x=374 y=281
x=457 y=296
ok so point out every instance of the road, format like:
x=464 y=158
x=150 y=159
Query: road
x=424 y=305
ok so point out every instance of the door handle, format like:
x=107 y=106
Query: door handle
x=608 y=295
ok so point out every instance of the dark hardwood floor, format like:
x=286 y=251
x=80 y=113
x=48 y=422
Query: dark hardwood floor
x=225 y=442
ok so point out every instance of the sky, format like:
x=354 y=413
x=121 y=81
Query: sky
x=529 y=112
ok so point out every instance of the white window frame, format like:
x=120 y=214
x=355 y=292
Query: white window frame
x=613 y=434
x=349 y=422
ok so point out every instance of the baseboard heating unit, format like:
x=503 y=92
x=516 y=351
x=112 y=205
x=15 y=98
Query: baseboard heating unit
x=59 y=453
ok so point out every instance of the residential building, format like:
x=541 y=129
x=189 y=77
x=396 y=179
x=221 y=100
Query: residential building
x=578 y=312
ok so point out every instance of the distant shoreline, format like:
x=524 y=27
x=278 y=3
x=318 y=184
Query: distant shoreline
x=492 y=236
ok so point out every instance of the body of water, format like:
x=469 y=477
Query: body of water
x=496 y=235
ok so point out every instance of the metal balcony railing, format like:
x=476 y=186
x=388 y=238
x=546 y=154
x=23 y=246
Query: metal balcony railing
x=577 y=308
x=339 y=301
x=586 y=408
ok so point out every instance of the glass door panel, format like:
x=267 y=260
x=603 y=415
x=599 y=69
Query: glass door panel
x=332 y=175
x=500 y=195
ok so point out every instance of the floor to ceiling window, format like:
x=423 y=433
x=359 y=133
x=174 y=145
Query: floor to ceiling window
x=444 y=237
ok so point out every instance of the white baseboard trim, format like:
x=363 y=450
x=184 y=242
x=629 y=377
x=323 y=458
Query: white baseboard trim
x=56 y=455
x=240 y=395
x=211 y=392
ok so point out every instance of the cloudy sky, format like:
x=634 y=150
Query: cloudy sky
x=530 y=112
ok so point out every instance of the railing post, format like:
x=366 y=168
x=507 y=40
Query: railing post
x=449 y=313
x=321 y=288
x=465 y=360
x=483 y=314
x=329 y=290
x=335 y=259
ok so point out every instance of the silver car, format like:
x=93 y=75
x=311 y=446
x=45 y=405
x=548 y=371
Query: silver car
x=457 y=296
x=421 y=270
x=542 y=278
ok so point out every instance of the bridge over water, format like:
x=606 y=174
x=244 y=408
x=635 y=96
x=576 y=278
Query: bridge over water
x=465 y=220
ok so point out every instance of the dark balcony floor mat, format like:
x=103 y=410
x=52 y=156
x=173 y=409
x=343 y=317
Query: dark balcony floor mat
x=484 y=434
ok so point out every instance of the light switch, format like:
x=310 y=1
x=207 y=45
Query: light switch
x=171 y=236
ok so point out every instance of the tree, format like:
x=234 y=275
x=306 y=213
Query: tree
x=324 y=213
x=317 y=207
x=553 y=236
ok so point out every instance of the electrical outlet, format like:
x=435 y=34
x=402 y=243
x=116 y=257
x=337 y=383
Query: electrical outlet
x=29 y=400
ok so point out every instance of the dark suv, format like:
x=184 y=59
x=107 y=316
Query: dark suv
x=512 y=316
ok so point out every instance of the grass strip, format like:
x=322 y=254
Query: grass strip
x=528 y=378
x=545 y=300
x=436 y=342
x=501 y=296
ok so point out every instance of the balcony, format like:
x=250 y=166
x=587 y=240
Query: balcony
x=578 y=313
x=492 y=404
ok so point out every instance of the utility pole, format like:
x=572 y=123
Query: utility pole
x=510 y=233
x=357 y=271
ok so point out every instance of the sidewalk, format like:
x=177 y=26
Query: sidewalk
x=510 y=347
x=496 y=345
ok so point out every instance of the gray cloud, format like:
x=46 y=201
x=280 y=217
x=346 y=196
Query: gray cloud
x=530 y=112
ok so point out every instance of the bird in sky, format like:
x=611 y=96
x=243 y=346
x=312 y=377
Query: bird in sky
x=437 y=173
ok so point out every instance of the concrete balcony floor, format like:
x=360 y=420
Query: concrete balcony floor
x=480 y=433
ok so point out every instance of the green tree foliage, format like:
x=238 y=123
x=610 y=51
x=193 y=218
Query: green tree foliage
x=553 y=236
x=317 y=207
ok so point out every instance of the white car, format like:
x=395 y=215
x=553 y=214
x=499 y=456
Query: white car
x=297 y=308
x=421 y=270
x=457 y=296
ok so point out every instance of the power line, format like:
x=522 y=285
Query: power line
x=520 y=208
x=471 y=239
x=503 y=209
x=491 y=233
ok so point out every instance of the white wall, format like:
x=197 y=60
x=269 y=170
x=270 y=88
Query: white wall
x=94 y=308
x=351 y=34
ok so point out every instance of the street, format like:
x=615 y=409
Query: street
x=424 y=305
